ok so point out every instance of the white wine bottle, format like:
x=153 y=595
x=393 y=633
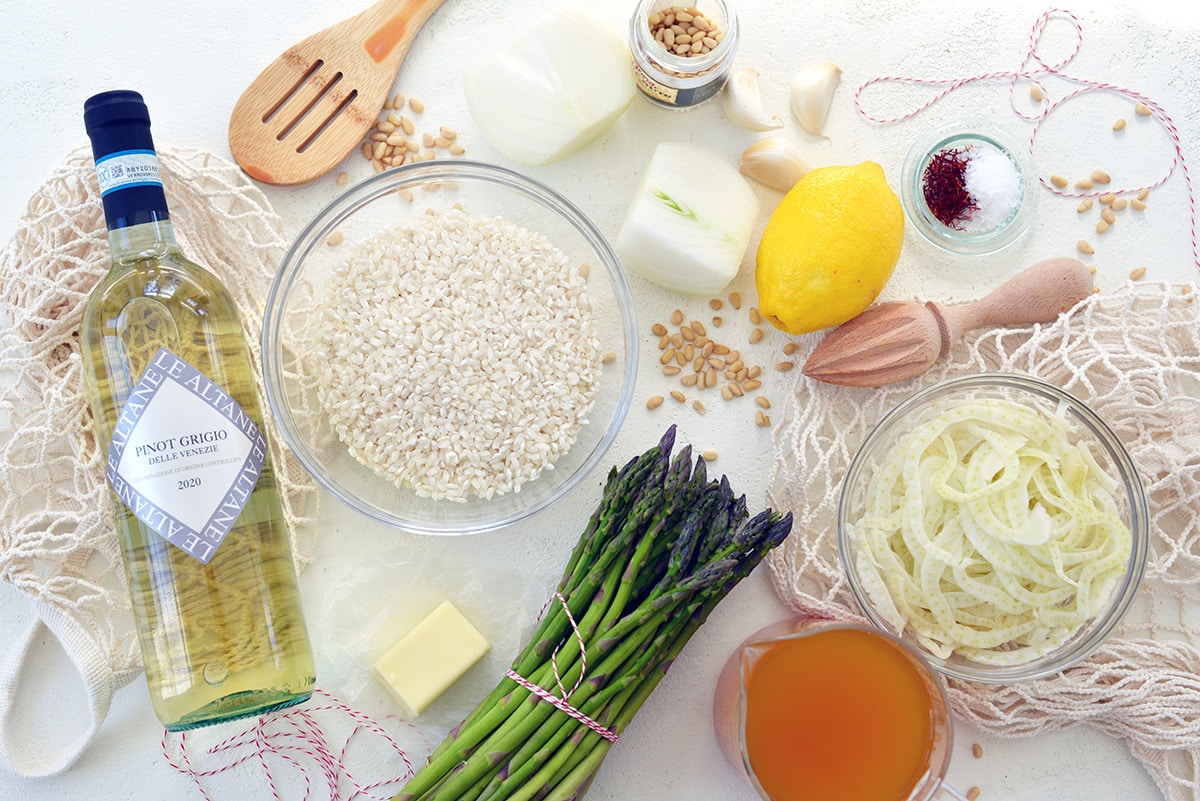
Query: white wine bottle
x=172 y=392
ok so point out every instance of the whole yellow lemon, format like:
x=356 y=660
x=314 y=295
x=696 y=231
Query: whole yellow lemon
x=829 y=248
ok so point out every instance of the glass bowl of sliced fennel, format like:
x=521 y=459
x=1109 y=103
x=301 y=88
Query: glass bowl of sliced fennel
x=996 y=523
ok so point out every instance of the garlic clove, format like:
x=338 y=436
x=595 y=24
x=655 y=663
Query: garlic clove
x=812 y=94
x=743 y=104
x=775 y=162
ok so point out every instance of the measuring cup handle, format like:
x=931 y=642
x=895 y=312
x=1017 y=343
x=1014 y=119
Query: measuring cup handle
x=946 y=791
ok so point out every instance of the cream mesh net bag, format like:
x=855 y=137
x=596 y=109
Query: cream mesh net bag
x=1134 y=356
x=58 y=545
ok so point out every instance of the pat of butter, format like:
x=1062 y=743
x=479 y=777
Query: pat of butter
x=431 y=657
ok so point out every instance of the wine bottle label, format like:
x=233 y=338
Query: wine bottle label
x=185 y=457
x=127 y=168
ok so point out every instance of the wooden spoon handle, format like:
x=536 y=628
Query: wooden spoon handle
x=1037 y=294
x=389 y=26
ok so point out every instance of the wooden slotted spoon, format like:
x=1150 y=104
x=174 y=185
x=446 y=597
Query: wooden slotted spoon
x=311 y=106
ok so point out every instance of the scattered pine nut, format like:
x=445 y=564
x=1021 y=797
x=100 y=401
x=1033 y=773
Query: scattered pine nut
x=755 y=317
x=972 y=793
x=698 y=327
x=672 y=370
x=1101 y=227
x=699 y=407
x=688 y=333
x=1036 y=93
x=709 y=456
x=1059 y=180
x=334 y=239
x=751 y=384
x=690 y=380
x=1092 y=269
x=710 y=378
x=668 y=356
x=1101 y=177
x=1083 y=246
x=783 y=367
x=756 y=336
x=677 y=317
x=1142 y=110
x=1142 y=195
x=789 y=348
x=761 y=420
x=658 y=329
x=408 y=126
x=717 y=320
x=1108 y=216
x=448 y=133
x=737 y=390
x=1084 y=183
x=1119 y=204
x=654 y=402
x=342 y=178
x=1107 y=197
x=664 y=342
x=1084 y=205
x=677 y=395
x=735 y=300
x=416 y=105
x=1140 y=205
x=457 y=150
x=677 y=340
x=715 y=304
x=1137 y=273
x=762 y=401
x=609 y=358
x=977 y=750
x=1119 y=125
x=406 y=194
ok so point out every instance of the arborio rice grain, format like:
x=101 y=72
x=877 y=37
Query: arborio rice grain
x=460 y=358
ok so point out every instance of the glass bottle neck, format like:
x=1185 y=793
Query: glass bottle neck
x=148 y=240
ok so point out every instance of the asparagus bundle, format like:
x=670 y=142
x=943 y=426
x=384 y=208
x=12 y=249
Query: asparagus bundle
x=662 y=549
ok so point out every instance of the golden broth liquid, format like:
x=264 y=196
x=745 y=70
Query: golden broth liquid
x=840 y=715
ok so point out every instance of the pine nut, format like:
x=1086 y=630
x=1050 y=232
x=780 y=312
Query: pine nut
x=1137 y=273
x=699 y=407
x=972 y=793
x=1108 y=216
x=755 y=317
x=717 y=363
x=1138 y=204
x=687 y=332
x=756 y=336
x=1101 y=177
x=742 y=374
x=726 y=392
x=677 y=395
x=441 y=141
x=672 y=369
x=366 y=150
x=1084 y=205
x=710 y=378
x=707 y=350
x=664 y=342
x=1101 y=227
x=334 y=239
x=608 y=358
x=380 y=148
x=658 y=329
x=1119 y=125
x=737 y=390
x=751 y=384
x=737 y=365
x=1059 y=180
x=689 y=380
x=1036 y=93
x=1107 y=197
x=977 y=750
x=1142 y=195
x=427 y=139
x=689 y=351
x=783 y=367
x=385 y=127
x=457 y=150
x=762 y=401
x=716 y=321
x=1084 y=183
x=342 y=178
x=735 y=300
x=755 y=371
x=416 y=105
x=654 y=402
x=709 y=456
x=698 y=327
x=1083 y=246
x=448 y=133
x=1119 y=204
x=715 y=304
x=789 y=348
x=407 y=126
x=681 y=358
x=676 y=317
x=1142 y=110
x=698 y=365
x=677 y=340
x=721 y=350
x=668 y=356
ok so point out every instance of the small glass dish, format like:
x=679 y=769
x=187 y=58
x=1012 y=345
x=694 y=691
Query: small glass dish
x=1065 y=643
x=957 y=139
x=293 y=363
x=840 y=709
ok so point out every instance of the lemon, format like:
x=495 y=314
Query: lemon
x=830 y=246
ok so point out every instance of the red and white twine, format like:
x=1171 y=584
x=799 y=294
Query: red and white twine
x=296 y=737
x=560 y=701
x=1035 y=69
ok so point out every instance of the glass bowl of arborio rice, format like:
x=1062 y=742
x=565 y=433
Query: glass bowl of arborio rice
x=449 y=347
x=998 y=524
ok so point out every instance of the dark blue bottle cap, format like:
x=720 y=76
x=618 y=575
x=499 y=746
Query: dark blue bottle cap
x=118 y=124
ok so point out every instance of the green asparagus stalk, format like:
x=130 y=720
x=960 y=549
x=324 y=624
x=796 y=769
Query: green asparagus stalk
x=663 y=547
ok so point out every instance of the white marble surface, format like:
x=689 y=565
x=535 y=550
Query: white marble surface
x=191 y=61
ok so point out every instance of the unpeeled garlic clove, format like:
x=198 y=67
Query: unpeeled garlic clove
x=742 y=102
x=812 y=94
x=774 y=162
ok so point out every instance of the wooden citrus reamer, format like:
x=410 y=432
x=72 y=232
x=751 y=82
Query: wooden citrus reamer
x=314 y=104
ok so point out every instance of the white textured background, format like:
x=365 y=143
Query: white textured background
x=192 y=60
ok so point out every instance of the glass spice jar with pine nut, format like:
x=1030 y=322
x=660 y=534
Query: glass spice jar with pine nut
x=682 y=54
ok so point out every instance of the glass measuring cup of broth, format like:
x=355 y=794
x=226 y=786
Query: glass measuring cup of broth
x=813 y=710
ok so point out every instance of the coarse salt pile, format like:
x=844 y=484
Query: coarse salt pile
x=994 y=184
x=459 y=355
